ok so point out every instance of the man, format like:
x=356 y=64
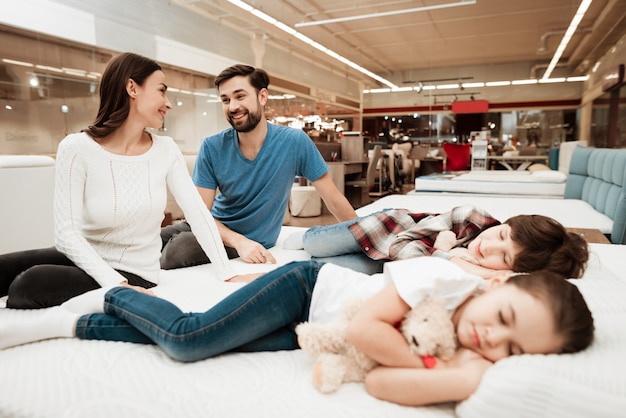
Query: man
x=253 y=164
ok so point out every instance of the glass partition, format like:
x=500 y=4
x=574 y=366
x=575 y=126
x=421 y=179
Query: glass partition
x=49 y=89
x=543 y=128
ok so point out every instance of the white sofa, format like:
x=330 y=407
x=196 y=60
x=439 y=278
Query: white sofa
x=26 y=211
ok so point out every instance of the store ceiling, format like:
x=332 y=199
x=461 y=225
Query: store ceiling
x=399 y=46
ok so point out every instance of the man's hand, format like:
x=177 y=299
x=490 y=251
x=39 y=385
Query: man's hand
x=244 y=278
x=253 y=252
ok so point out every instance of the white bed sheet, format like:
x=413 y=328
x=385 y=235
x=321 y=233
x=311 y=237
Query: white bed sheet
x=572 y=213
x=72 y=378
x=492 y=182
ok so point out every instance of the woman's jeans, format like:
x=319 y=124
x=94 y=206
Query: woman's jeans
x=261 y=316
x=336 y=244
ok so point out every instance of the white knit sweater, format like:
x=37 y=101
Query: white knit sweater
x=109 y=208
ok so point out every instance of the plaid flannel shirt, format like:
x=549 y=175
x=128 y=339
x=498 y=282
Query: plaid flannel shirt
x=397 y=234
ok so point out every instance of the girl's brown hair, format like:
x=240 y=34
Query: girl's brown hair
x=114 y=100
x=547 y=245
x=572 y=318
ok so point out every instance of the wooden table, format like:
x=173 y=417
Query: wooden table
x=339 y=170
x=592 y=236
x=524 y=161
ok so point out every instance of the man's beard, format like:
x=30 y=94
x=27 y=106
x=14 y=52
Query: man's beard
x=252 y=121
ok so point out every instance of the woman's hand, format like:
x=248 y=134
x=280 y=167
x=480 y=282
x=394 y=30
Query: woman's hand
x=138 y=289
x=244 y=278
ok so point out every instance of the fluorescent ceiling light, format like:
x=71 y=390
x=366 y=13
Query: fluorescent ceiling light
x=473 y=85
x=47 y=67
x=497 y=83
x=481 y=84
x=384 y=14
x=310 y=41
x=552 y=80
x=580 y=13
x=15 y=62
x=447 y=86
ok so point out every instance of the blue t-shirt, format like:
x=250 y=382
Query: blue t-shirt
x=253 y=195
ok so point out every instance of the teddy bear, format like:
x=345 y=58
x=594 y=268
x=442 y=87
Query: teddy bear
x=427 y=328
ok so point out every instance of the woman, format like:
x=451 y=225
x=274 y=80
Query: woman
x=110 y=197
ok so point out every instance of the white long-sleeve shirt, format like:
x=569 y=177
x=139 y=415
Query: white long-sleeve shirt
x=109 y=208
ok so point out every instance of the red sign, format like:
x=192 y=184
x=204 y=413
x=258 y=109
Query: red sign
x=472 y=106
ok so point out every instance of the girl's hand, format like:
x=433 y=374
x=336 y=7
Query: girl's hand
x=445 y=241
x=485 y=273
x=465 y=358
x=463 y=254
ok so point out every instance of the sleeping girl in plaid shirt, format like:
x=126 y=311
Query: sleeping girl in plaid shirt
x=466 y=235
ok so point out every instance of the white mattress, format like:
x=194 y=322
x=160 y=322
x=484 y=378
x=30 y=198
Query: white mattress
x=494 y=182
x=72 y=378
x=572 y=213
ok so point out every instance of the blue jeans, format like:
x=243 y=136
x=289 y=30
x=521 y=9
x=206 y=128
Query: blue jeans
x=336 y=244
x=261 y=316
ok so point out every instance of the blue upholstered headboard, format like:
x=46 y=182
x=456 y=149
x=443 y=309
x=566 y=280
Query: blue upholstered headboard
x=598 y=176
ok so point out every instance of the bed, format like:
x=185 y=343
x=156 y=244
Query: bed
x=594 y=196
x=544 y=183
x=73 y=378
x=572 y=213
x=535 y=182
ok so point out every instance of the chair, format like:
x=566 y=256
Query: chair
x=402 y=161
x=369 y=181
x=417 y=155
x=457 y=155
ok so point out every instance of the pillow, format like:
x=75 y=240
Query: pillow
x=551 y=176
x=538 y=167
x=585 y=384
x=513 y=153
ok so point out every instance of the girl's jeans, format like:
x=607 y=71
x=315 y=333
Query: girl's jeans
x=336 y=244
x=261 y=316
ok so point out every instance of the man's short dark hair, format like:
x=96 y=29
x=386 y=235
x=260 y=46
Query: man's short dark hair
x=258 y=77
